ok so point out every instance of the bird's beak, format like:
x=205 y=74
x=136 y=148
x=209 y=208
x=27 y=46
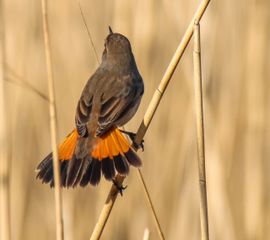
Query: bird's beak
x=110 y=30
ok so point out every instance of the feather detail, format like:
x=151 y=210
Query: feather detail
x=111 y=154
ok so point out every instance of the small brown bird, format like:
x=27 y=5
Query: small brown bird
x=109 y=100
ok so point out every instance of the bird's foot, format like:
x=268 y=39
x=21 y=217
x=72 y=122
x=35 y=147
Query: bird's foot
x=132 y=136
x=119 y=187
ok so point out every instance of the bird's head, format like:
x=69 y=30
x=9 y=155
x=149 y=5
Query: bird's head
x=116 y=43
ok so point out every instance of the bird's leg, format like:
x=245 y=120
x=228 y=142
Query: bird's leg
x=119 y=187
x=132 y=136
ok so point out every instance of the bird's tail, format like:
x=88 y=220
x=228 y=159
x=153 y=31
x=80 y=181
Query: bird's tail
x=111 y=154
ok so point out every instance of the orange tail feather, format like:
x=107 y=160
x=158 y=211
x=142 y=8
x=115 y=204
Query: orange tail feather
x=111 y=154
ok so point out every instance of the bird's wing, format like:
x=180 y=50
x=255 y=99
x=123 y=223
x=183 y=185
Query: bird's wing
x=115 y=107
x=110 y=98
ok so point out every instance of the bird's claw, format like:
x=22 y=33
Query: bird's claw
x=137 y=146
x=119 y=187
x=132 y=136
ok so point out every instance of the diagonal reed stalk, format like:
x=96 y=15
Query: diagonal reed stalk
x=88 y=32
x=150 y=202
x=200 y=131
x=104 y=215
x=5 y=224
x=13 y=78
x=147 y=195
x=53 y=125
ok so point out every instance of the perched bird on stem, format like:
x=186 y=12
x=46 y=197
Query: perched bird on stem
x=109 y=100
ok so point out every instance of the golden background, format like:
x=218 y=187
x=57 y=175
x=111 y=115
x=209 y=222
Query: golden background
x=236 y=72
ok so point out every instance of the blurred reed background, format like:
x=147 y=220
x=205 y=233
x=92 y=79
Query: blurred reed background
x=236 y=71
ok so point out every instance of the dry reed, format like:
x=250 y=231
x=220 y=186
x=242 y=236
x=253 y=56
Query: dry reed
x=53 y=126
x=5 y=227
x=13 y=78
x=149 y=115
x=88 y=32
x=200 y=131
x=139 y=172
x=147 y=195
x=146 y=234
x=236 y=104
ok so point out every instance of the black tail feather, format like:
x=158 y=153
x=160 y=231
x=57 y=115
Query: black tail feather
x=87 y=175
x=133 y=158
x=108 y=169
x=87 y=170
x=95 y=173
x=84 y=166
x=121 y=164
x=73 y=170
x=64 y=166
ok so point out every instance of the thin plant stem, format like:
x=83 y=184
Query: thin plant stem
x=139 y=172
x=5 y=226
x=200 y=131
x=105 y=212
x=169 y=73
x=88 y=32
x=20 y=82
x=147 y=195
x=53 y=126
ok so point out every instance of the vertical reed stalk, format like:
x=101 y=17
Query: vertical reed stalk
x=200 y=131
x=53 y=125
x=169 y=73
x=4 y=161
x=149 y=115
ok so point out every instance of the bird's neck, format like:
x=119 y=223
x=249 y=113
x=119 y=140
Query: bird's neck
x=120 y=62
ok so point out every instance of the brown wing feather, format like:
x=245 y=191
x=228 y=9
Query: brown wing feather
x=118 y=107
x=115 y=95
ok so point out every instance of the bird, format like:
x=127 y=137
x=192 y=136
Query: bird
x=97 y=146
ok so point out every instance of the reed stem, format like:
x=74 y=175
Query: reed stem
x=53 y=126
x=150 y=114
x=200 y=131
x=5 y=226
